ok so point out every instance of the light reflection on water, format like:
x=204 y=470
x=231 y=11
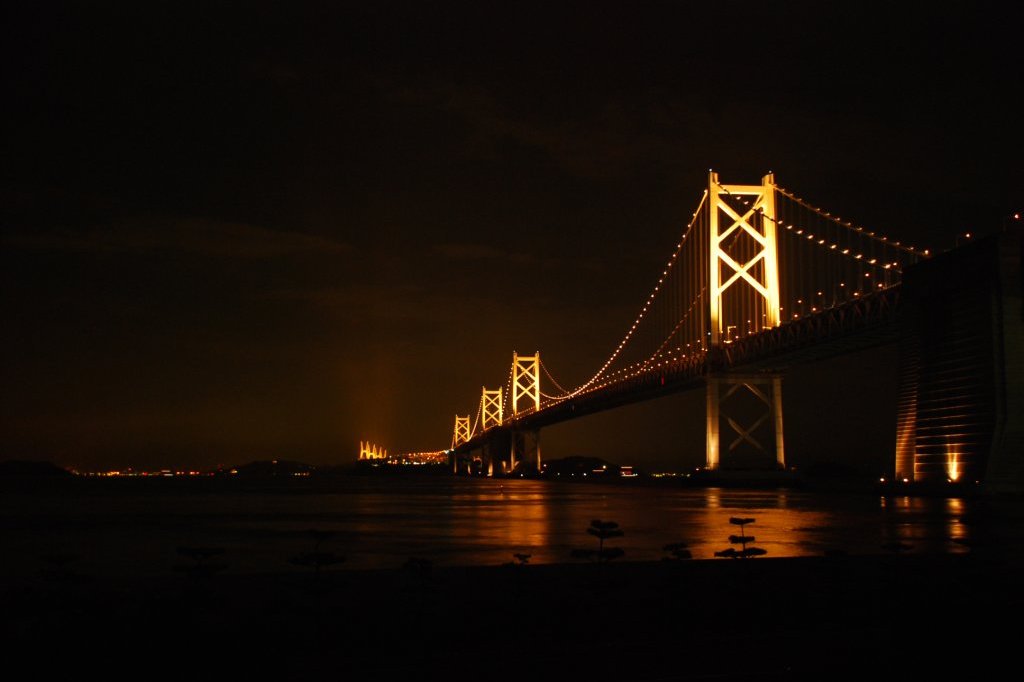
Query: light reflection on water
x=382 y=522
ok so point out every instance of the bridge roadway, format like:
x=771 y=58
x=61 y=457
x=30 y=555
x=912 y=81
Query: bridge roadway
x=849 y=327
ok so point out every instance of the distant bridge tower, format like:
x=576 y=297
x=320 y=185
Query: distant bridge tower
x=369 y=451
x=461 y=434
x=744 y=282
x=490 y=408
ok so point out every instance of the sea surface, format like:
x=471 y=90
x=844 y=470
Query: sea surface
x=136 y=527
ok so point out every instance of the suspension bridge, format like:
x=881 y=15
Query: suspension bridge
x=762 y=279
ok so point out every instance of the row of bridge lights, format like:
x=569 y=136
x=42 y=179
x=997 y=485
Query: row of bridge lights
x=814 y=308
x=638 y=368
x=647 y=304
x=846 y=223
x=686 y=315
x=846 y=252
x=629 y=372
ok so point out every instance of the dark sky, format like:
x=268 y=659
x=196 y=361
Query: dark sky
x=269 y=231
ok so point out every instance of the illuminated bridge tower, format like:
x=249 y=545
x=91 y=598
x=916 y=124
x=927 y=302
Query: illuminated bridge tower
x=490 y=418
x=525 y=446
x=743 y=292
x=460 y=435
x=490 y=408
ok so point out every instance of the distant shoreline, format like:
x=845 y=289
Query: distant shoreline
x=726 y=479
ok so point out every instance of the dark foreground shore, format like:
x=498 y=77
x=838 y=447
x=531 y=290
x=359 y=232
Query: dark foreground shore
x=874 y=617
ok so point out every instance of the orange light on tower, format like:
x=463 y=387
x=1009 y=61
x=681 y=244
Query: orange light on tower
x=953 y=470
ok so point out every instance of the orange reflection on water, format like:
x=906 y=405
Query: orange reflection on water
x=512 y=515
x=955 y=527
x=926 y=524
x=487 y=521
x=779 y=527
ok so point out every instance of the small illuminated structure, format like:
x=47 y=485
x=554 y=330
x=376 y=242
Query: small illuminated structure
x=369 y=451
x=419 y=458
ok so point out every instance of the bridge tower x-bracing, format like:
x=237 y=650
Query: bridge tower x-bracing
x=742 y=215
x=525 y=380
x=459 y=436
x=490 y=408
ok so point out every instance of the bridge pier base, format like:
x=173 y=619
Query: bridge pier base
x=462 y=464
x=767 y=392
x=494 y=451
x=525 y=449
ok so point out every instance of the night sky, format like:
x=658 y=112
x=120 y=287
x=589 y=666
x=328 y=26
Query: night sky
x=236 y=234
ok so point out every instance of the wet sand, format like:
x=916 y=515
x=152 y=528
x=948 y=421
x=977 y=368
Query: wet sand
x=847 y=617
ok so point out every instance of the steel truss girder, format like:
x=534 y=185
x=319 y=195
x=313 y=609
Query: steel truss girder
x=866 y=313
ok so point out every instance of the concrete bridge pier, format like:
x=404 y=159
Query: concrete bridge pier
x=763 y=395
x=462 y=463
x=525 y=450
x=494 y=452
x=960 y=412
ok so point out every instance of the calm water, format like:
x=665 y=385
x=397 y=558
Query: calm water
x=134 y=527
